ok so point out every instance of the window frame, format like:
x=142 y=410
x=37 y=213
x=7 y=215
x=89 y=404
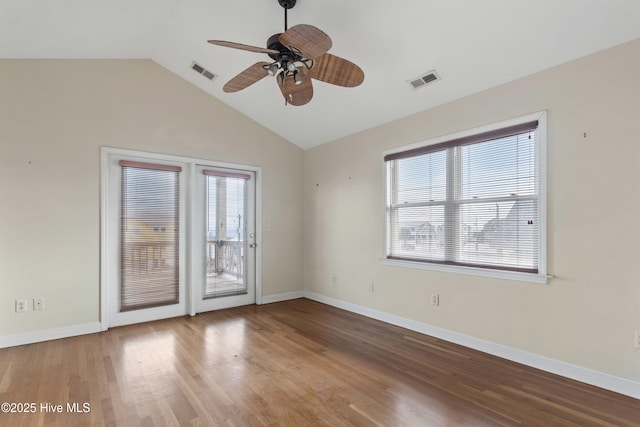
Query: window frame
x=541 y=134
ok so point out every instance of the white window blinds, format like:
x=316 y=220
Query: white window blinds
x=149 y=275
x=472 y=201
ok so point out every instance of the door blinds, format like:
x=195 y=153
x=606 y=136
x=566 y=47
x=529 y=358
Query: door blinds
x=149 y=237
x=472 y=201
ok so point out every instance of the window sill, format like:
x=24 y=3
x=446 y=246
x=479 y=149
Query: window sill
x=497 y=274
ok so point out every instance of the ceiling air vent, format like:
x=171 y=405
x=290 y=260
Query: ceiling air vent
x=201 y=70
x=425 y=79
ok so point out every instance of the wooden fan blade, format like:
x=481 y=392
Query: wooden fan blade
x=306 y=40
x=337 y=71
x=296 y=94
x=242 y=46
x=246 y=78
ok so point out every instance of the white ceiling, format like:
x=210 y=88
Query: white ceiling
x=473 y=45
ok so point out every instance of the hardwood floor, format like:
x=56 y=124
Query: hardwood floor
x=294 y=363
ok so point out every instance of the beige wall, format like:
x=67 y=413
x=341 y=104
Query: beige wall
x=587 y=315
x=54 y=116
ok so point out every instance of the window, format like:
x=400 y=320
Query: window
x=471 y=202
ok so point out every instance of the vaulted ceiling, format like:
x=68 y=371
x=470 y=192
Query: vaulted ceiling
x=472 y=45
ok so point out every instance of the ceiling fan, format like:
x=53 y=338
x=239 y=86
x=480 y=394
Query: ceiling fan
x=299 y=55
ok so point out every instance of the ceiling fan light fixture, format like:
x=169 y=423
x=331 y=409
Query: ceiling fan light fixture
x=273 y=69
x=281 y=77
x=296 y=77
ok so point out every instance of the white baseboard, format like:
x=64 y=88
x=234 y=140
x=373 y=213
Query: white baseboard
x=268 y=299
x=49 y=334
x=574 y=372
x=89 y=328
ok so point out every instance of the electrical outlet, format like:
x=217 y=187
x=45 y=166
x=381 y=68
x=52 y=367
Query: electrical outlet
x=435 y=300
x=334 y=278
x=21 y=305
x=637 y=340
x=38 y=304
x=370 y=287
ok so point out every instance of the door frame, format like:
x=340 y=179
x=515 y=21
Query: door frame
x=189 y=173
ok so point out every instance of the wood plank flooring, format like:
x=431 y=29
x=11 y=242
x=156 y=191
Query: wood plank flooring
x=294 y=363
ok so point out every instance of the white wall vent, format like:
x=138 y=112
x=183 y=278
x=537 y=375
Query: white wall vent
x=201 y=70
x=425 y=79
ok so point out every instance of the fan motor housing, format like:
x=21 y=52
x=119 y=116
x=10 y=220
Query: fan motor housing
x=274 y=43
